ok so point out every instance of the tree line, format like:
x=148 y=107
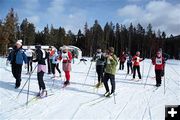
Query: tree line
x=121 y=37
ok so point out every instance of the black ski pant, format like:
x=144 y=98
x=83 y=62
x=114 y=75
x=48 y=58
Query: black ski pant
x=100 y=71
x=57 y=68
x=121 y=65
x=40 y=80
x=138 y=70
x=129 y=66
x=49 y=66
x=29 y=67
x=16 y=71
x=158 y=76
x=108 y=76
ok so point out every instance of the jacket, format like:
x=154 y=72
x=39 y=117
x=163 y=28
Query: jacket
x=122 y=58
x=99 y=58
x=136 y=60
x=129 y=58
x=41 y=56
x=110 y=66
x=158 y=62
x=17 y=56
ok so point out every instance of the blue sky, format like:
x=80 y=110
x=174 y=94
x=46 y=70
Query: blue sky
x=72 y=14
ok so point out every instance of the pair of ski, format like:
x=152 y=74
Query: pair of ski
x=101 y=99
x=35 y=98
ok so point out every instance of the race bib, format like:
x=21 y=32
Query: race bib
x=138 y=58
x=98 y=55
x=127 y=58
x=158 y=61
x=65 y=56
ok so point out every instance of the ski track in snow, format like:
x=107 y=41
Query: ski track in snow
x=137 y=100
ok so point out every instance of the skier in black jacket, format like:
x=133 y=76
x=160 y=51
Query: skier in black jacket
x=41 y=56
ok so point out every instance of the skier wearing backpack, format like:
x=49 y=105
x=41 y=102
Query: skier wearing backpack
x=41 y=56
x=100 y=62
x=159 y=62
x=136 y=64
x=16 y=58
x=110 y=70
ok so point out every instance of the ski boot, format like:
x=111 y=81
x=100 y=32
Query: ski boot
x=107 y=94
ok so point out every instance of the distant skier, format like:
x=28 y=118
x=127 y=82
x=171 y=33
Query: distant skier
x=55 y=63
x=100 y=62
x=41 y=56
x=122 y=59
x=16 y=58
x=159 y=62
x=51 y=53
x=66 y=57
x=136 y=64
x=110 y=70
x=129 y=62
x=29 y=54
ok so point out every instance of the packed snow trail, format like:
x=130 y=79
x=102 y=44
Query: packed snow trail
x=82 y=100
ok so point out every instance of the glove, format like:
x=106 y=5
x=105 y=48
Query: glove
x=25 y=66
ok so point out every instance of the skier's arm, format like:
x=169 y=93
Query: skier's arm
x=113 y=60
x=24 y=57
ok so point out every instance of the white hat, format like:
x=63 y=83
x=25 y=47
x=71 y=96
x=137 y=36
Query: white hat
x=19 y=42
x=65 y=47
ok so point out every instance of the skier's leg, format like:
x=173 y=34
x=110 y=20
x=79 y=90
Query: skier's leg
x=112 y=79
x=127 y=68
x=106 y=77
x=134 y=71
x=53 y=68
x=123 y=66
x=139 y=73
x=57 y=68
x=98 y=72
x=13 y=69
x=131 y=68
x=41 y=81
x=18 y=75
x=31 y=64
x=28 y=64
x=67 y=75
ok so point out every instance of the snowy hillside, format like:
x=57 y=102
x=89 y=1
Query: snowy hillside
x=134 y=100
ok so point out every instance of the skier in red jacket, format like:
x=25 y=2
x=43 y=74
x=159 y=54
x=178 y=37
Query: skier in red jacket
x=136 y=64
x=122 y=59
x=159 y=62
x=66 y=56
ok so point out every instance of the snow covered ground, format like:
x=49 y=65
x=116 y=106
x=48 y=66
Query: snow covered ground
x=80 y=100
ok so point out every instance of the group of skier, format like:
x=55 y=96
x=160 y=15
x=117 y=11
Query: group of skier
x=106 y=67
x=106 y=64
x=18 y=55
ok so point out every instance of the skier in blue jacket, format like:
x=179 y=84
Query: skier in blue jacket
x=16 y=58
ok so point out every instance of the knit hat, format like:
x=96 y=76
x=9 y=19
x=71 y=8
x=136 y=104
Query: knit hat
x=111 y=49
x=19 y=42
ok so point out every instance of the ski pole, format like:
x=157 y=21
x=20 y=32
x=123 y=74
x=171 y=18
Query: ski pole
x=87 y=73
x=164 y=82
x=114 y=98
x=28 y=92
x=147 y=74
x=143 y=69
x=26 y=82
